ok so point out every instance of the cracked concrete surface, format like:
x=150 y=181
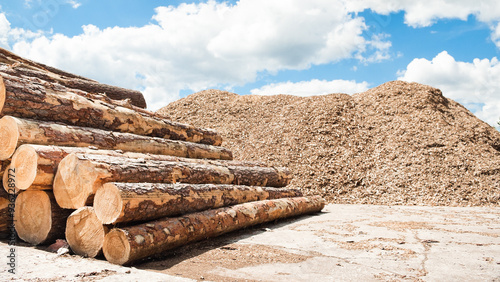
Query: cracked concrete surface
x=366 y=243
x=343 y=243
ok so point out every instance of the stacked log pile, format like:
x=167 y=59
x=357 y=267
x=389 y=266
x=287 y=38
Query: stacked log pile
x=89 y=164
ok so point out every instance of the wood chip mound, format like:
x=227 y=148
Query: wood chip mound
x=397 y=144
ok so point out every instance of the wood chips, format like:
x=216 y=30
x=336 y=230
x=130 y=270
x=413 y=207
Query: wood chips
x=397 y=144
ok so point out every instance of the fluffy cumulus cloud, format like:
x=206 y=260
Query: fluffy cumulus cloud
x=195 y=46
x=313 y=87
x=426 y=13
x=4 y=31
x=476 y=84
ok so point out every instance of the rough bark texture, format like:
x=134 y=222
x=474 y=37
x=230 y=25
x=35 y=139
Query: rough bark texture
x=38 y=218
x=85 y=233
x=125 y=245
x=20 y=131
x=80 y=175
x=128 y=202
x=30 y=98
x=17 y=66
x=38 y=163
x=9 y=58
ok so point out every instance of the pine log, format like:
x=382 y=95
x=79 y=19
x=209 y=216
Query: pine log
x=38 y=218
x=80 y=175
x=16 y=176
x=18 y=131
x=128 y=244
x=9 y=58
x=128 y=202
x=134 y=97
x=19 y=66
x=28 y=98
x=85 y=233
x=36 y=165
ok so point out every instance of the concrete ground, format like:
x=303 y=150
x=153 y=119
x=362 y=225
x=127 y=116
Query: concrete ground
x=343 y=243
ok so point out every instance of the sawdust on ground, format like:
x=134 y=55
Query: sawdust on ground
x=399 y=143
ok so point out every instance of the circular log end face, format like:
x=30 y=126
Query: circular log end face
x=116 y=247
x=85 y=232
x=73 y=182
x=33 y=216
x=25 y=163
x=8 y=137
x=2 y=93
x=108 y=203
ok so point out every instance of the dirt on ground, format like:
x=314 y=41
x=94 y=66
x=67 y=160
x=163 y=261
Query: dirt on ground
x=397 y=144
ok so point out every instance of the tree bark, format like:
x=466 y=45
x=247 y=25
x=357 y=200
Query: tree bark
x=18 y=131
x=7 y=57
x=18 y=66
x=85 y=233
x=38 y=218
x=128 y=202
x=80 y=175
x=28 y=98
x=128 y=244
x=36 y=165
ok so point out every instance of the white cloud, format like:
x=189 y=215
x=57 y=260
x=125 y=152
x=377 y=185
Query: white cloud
x=8 y=34
x=476 y=84
x=4 y=31
x=73 y=3
x=197 y=46
x=312 y=87
x=426 y=13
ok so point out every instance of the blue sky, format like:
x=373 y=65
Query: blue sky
x=169 y=49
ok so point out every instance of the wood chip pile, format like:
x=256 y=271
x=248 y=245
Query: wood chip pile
x=396 y=144
x=89 y=164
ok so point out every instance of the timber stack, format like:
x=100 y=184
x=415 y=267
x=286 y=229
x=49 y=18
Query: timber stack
x=88 y=163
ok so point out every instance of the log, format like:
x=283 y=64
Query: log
x=36 y=165
x=28 y=98
x=38 y=218
x=128 y=202
x=18 y=66
x=16 y=176
x=7 y=57
x=128 y=244
x=80 y=175
x=18 y=131
x=85 y=233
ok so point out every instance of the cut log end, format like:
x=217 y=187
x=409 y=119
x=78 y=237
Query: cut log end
x=9 y=137
x=84 y=232
x=74 y=182
x=2 y=93
x=24 y=161
x=116 y=247
x=108 y=203
x=33 y=216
